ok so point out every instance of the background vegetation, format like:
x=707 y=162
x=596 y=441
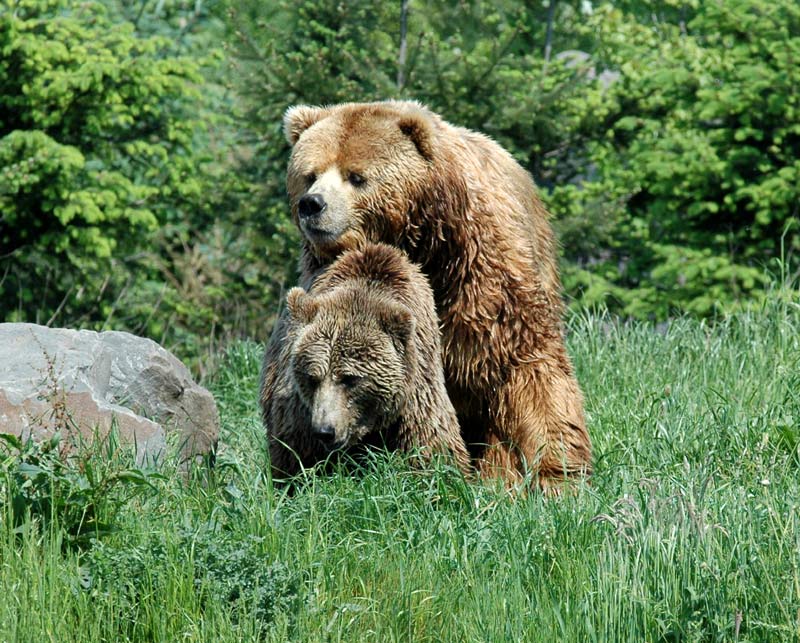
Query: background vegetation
x=142 y=162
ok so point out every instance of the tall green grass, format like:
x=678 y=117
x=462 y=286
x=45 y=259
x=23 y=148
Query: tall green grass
x=688 y=532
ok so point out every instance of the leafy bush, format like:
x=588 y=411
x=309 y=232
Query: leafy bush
x=238 y=572
x=696 y=166
x=81 y=494
x=95 y=145
x=233 y=573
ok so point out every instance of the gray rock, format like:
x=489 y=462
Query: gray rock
x=582 y=61
x=79 y=382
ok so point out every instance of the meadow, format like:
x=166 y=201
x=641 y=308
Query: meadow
x=688 y=531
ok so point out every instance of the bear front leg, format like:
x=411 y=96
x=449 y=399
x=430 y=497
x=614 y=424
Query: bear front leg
x=502 y=459
x=537 y=427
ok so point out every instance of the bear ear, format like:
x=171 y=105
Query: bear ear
x=302 y=306
x=299 y=118
x=419 y=130
x=398 y=323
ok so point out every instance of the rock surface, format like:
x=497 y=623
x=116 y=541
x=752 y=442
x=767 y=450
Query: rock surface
x=576 y=59
x=79 y=382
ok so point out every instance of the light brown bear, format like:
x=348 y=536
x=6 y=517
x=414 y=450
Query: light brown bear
x=357 y=361
x=463 y=209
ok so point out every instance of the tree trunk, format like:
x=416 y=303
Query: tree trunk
x=548 y=39
x=401 y=58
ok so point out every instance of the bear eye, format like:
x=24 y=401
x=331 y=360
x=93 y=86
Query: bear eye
x=356 y=180
x=311 y=178
x=350 y=381
x=307 y=379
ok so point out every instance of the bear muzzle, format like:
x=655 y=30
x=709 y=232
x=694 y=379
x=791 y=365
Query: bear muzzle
x=311 y=206
x=325 y=212
x=326 y=434
x=330 y=416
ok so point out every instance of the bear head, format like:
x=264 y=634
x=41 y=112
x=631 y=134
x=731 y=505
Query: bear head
x=351 y=362
x=359 y=172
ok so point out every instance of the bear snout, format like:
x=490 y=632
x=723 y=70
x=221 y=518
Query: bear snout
x=326 y=434
x=330 y=416
x=311 y=205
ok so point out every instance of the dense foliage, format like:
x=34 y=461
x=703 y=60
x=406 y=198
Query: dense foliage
x=142 y=160
x=96 y=147
x=112 y=177
x=699 y=166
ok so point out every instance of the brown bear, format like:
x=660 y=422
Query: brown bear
x=460 y=206
x=357 y=361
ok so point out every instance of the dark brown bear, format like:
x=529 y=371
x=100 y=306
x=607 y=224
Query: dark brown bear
x=357 y=361
x=462 y=208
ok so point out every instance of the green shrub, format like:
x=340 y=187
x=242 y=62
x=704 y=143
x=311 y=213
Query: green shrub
x=230 y=572
x=695 y=186
x=94 y=144
x=81 y=494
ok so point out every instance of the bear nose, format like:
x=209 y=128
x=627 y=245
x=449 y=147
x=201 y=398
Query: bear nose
x=326 y=433
x=311 y=205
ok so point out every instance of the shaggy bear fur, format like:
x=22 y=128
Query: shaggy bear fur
x=357 y=361
x=462 y=208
